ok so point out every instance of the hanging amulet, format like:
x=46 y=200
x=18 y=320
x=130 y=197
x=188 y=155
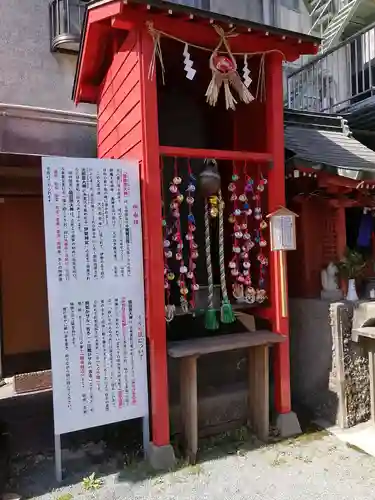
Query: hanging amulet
x=246 y=265
x=189 y=237
x=170 y=276
x=184 y=290
x=190 y=200
x=232 y=187
x=176 y=213
x=243 y=198
x=178 y=256
x=183 y=269
x=173 y=189
x=260 y=188
x=243 y=227
x=237 y=212
x=214 y=212
x=231 y=219
x=180 y=198
x=236 y=249
x=191 y=188
x=233 y=197
x=238 y=235
x=194 y=255
x=195 y=287
x=235 y=177
x=190 y=275
x=167 y=243
x=168 y=254
x=263 y=224
x=234 y=272
x=262 y=243
x=177 y=180
x=246 y=236
x=232 y=264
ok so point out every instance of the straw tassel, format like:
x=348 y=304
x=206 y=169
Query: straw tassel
x=210 y=319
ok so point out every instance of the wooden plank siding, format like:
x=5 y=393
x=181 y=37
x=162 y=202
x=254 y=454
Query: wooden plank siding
x=119 y=110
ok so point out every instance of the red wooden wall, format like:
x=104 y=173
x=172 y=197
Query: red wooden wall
x=321 y=239
x=119 y=111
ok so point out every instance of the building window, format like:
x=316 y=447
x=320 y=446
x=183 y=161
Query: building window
x=291 y=4
x=198 y=4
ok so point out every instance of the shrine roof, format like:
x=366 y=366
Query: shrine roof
x=113 y=17
x=326 y=140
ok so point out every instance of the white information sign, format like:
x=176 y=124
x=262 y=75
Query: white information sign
x=93 y=239
x=283 y=232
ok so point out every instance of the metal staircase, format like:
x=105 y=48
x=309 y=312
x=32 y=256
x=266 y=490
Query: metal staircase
x=330 y=18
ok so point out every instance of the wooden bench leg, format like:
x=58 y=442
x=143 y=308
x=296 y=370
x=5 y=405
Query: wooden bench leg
x=189 y=405
x=259 y=391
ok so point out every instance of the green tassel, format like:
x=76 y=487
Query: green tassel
x=210 y=320
x=226 y=312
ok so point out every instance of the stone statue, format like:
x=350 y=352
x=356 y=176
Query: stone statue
x=330 y=288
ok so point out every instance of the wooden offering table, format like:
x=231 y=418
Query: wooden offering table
x=257 y=344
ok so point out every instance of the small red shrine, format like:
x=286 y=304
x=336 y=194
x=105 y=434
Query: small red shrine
x=148 y=66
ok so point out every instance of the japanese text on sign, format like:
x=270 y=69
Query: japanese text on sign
x=95 y=291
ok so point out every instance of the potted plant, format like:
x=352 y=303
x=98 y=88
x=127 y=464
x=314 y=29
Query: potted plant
x=351 y=266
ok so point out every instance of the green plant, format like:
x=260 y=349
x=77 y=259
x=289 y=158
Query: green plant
x=92 y=482
x=351 y=265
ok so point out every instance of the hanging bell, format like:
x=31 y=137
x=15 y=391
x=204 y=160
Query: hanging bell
x=195 y=287
x=190 y=275
x=243 y=198
x=231 y=219
x=235 y=177
x=183 y=270
x=177 y=180
x=170 y=276
x=180 y=198
x=263 y=224
x=209 y=178
x=190 y=200
x=173 y=188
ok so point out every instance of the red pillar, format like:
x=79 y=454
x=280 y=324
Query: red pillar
x=278 y=274
x=153 y=248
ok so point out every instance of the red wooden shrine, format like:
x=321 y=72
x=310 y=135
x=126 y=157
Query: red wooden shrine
x=113 y=72
x=320 y=199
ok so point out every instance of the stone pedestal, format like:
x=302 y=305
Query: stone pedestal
x=288 y=425
x=331 y=295
x=161 y=457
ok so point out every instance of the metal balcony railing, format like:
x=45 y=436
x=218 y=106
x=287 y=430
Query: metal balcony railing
x=66 y=17
x=334 y=81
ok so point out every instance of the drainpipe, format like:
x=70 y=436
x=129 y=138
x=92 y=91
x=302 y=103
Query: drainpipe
x=44 y=114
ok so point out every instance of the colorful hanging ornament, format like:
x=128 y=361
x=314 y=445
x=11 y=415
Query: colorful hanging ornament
x=170 y=309
x=188 y=64
x=193 y=252
x=260 y=293
x=177 y=237
x=226 y=311
x=224 y=72
x=235 y=262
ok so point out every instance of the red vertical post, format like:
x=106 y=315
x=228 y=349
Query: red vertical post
x=276 y=187
x=153 y=248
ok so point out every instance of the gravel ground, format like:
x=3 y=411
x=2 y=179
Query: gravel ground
x=313 y=466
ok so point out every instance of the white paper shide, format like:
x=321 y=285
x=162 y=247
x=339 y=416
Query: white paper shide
x=95 y=291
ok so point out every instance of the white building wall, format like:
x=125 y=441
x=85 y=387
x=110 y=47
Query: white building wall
x=31 y=75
